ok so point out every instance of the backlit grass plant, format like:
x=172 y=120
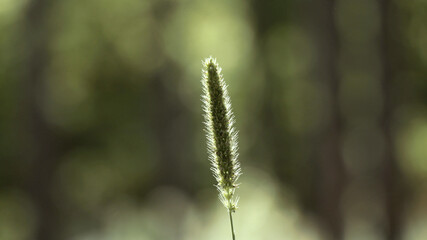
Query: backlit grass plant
x=221 y=135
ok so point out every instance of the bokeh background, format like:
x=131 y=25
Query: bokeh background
x=101 y=133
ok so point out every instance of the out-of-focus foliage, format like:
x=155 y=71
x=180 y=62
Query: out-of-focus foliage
x=101 y=133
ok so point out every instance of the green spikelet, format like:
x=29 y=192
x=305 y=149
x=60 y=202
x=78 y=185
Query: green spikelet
x=220 y=133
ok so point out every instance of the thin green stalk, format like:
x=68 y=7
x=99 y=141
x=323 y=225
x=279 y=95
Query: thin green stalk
x=232 y=227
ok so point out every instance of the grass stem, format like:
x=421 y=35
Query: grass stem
x=232 y=227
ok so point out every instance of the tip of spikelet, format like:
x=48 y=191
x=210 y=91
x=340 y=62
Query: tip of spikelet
x=210 y=63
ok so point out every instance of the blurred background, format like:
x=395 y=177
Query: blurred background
x=101 y=133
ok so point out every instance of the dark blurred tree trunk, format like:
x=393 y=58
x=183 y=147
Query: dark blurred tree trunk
x=331 y=180
x=330 y=177
x=171 y=123
x=171 y=129
x=41 y=149
x=280 y=149
x=267 y=16
x=392 y=177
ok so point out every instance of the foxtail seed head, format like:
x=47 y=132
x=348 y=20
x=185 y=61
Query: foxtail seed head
x=220 y=133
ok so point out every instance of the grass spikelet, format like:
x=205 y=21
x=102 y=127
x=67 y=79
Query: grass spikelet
x=221 y=135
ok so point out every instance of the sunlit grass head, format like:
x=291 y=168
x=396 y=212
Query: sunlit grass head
x=220 y=133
